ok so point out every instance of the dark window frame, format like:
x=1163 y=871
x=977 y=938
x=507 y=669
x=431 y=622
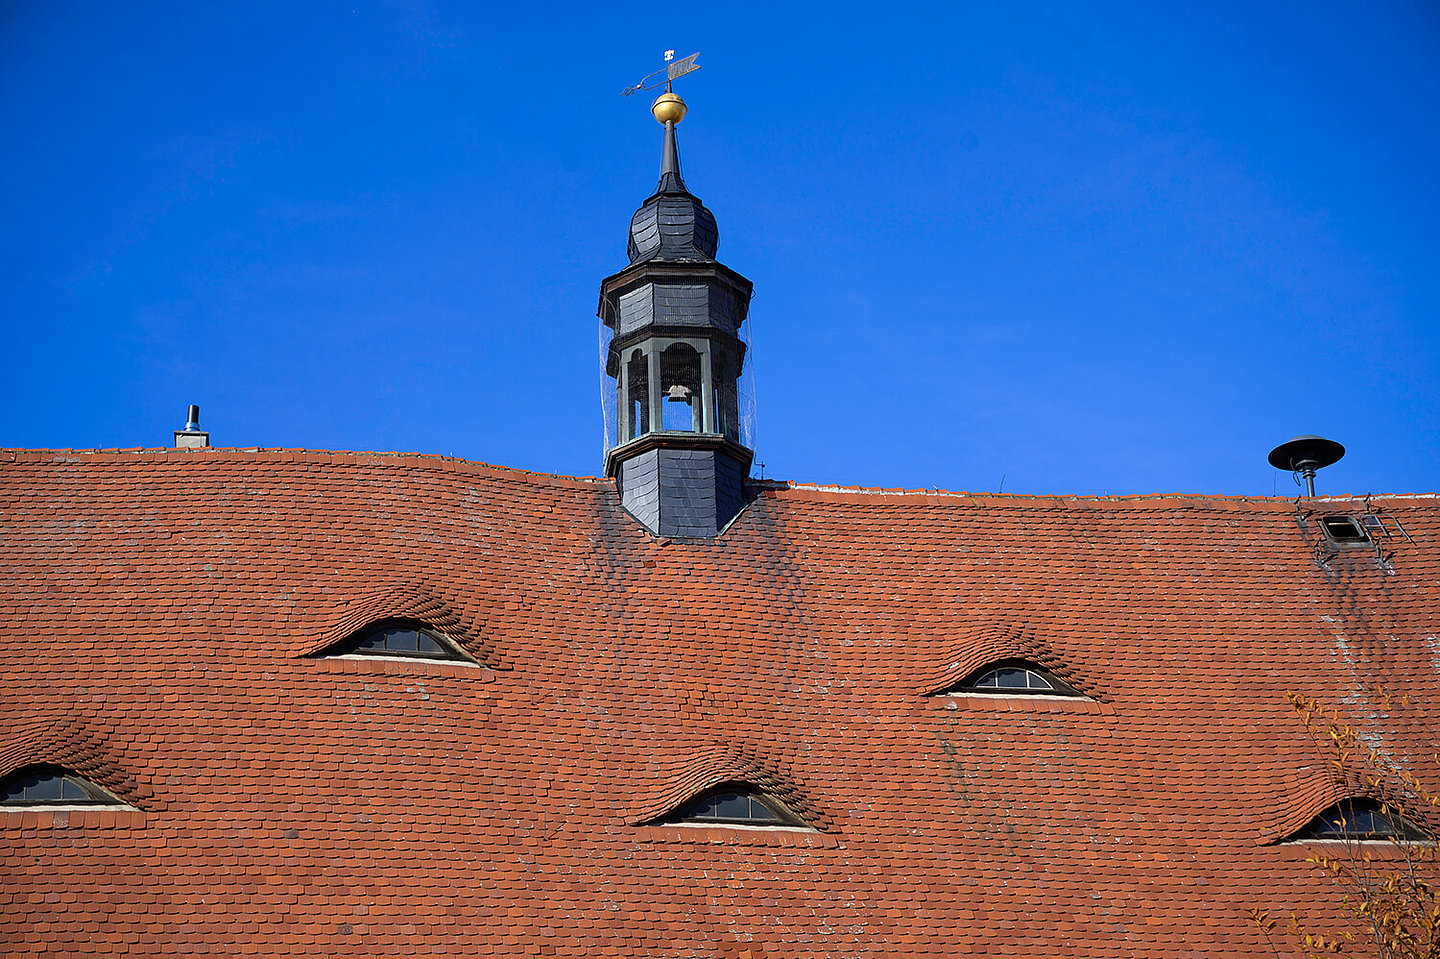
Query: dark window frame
x=93 y=794
x=688 y=813
x=1055 y=686
x=448 y=651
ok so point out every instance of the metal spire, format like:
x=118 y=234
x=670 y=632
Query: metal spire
x=670 y=179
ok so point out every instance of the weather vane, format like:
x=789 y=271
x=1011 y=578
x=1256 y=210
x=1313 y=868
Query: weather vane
x=673 y=70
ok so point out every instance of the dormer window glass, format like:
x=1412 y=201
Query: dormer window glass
x=736 y=805
x=409 y=640
x=52 y=786
x=1014 y=678
x=1361 y=819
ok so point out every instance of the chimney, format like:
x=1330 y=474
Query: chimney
x=192 y=436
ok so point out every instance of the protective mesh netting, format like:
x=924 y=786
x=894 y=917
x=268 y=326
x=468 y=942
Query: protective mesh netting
x=747 y=390
x=610 y=400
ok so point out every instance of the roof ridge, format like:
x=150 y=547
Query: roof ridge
x=789 y=485
x=280 y=454
x=156 y=453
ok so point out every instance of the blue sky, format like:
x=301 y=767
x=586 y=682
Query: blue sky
x=1121 y=248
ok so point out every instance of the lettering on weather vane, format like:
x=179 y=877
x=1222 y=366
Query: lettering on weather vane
x=673 y=70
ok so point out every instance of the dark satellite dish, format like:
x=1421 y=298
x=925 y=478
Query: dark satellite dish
x=1305 y=455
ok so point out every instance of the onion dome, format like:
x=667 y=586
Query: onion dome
x=673 y=225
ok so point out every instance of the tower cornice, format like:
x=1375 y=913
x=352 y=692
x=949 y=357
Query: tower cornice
x=677 y=441
x=636 y=274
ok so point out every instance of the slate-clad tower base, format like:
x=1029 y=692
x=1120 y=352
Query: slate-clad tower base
x=684 y=492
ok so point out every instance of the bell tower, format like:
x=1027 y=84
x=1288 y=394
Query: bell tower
x=673 y=319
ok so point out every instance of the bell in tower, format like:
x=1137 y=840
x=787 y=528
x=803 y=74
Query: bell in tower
x=674 y=437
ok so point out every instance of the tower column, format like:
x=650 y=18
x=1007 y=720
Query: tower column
x=656 y=395
x=623 y=431
x=705 y=420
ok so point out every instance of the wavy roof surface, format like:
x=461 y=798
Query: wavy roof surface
x=161 y=609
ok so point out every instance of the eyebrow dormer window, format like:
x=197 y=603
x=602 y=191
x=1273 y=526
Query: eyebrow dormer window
x=52 y=786
x=734 y=804
x=408 y=640
x=1014 y=678
x=1361 y=819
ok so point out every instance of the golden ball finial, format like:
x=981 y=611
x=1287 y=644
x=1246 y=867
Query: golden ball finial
x=668 y=108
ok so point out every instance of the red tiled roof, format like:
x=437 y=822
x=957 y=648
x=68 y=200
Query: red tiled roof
x=160 y=606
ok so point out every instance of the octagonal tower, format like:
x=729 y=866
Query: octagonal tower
x=673 y=319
